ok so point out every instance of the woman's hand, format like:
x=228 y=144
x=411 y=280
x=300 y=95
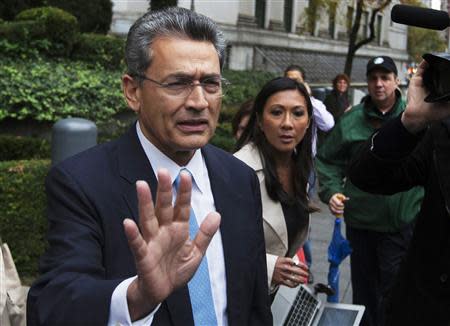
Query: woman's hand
x=289 y=273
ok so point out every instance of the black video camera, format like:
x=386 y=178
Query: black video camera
x=437 y=76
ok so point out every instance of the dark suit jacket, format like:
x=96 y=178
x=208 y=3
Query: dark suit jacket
x=90 y=194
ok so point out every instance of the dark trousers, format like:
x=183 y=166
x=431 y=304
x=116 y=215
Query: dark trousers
x=411 y=302
x=374 y=263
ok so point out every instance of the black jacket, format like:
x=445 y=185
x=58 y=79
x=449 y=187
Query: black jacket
x=394 y=161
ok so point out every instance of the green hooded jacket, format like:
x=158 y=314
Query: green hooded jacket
x=363 y=210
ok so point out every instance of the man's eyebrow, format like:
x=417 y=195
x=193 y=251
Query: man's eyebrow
x=191 y=76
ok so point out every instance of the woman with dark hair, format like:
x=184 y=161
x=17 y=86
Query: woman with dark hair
x=337 y=102
x=277 y=144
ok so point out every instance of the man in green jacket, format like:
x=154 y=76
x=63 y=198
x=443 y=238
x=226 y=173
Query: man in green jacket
x=378 y=227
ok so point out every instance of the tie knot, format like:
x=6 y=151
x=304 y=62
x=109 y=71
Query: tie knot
x=176 y=182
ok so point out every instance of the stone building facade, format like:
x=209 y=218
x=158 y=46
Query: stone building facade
x=271 y=34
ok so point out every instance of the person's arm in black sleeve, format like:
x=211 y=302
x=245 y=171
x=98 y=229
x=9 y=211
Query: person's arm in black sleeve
x=393 y=141
x=392 y=160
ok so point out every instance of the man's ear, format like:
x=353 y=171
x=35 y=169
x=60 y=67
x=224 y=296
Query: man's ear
x=132 y=92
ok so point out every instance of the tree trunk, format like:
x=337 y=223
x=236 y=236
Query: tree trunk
x=352 y=39
x=353 y=45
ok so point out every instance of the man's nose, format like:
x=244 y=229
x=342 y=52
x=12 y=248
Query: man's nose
x=196 y=99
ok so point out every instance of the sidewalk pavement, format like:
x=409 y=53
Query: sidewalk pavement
x=322 y=224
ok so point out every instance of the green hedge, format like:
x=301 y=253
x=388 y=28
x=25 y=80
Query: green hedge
x=61 y=28
x=22 y=214
x=223 y=137
x=20 y=31
x=94 y=16
x=23 y=40
x=245 y=84
x=109 y=51
x=47 y=90
x=13 y=148
x=52 y=32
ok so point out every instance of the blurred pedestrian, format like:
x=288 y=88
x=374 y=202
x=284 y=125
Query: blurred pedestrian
x=379 y=228
x=240 y=119
x=337 y=102
x=277 y=145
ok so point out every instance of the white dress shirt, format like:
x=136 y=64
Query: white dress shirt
x=202 y=203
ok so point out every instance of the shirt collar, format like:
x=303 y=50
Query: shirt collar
x=158 y=160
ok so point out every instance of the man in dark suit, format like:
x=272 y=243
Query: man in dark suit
x=101 y=268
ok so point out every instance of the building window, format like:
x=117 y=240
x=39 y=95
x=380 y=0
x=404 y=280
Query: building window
x=288 y=7
x=379 y=28
x=260 y=13
x=332 y=18
x=365 y=24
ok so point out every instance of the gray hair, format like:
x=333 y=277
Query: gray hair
x=171 y=22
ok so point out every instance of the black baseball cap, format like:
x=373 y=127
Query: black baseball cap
x=381 y=62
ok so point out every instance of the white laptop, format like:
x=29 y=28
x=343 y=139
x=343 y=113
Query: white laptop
x=300 y=307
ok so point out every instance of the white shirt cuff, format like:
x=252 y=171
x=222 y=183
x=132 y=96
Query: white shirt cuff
x=118 y=310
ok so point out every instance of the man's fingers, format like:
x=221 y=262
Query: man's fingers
x=137 y=244
x=163 y=207
x=335 y=210
x=417 y=80
x=147 y=219
x=206 y=231
x=337 y=203
x=421 y=68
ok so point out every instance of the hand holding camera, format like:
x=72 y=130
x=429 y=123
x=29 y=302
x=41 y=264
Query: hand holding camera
x=419 y=111
x=429 y=89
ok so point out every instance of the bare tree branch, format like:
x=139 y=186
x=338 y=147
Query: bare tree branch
x=353 y=45
x=372 y=25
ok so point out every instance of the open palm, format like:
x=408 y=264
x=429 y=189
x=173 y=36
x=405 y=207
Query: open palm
x=166 y=258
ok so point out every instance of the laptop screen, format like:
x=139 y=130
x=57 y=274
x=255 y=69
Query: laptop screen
x=333 y=316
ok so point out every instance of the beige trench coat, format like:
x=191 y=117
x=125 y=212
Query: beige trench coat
x=275 y=230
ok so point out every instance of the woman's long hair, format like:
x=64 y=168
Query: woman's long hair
x=302 y=155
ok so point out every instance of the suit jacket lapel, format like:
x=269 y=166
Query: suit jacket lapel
x=134 y=165
x=224 y=200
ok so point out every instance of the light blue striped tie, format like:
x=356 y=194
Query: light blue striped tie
x=200 y=285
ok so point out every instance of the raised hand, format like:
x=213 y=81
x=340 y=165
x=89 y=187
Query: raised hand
x=418 y=113
x=166 y=258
